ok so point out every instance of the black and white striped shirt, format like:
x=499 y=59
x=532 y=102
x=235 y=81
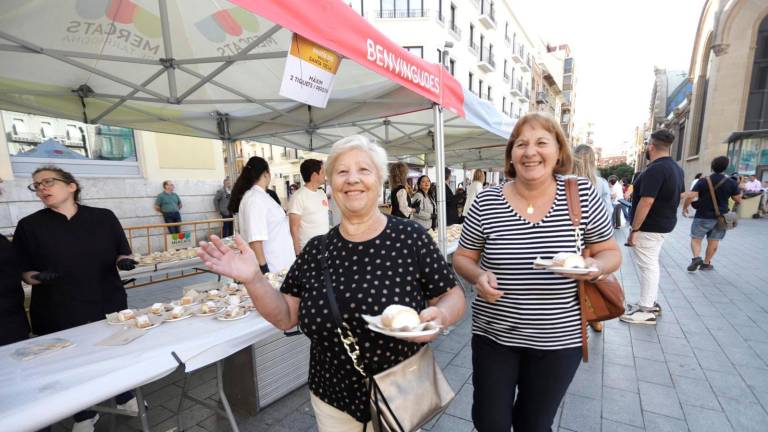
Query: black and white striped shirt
x=539 y=309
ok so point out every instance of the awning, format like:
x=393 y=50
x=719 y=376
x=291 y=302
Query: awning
x=740 y=135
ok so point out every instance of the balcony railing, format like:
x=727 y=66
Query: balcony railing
x=487 y=14
x=506 y=77
x=517 y=54
x=473 y=47
x=453 y=28
x=402 y=13
x=542 y=97
x=487 y=62
x=440 y=17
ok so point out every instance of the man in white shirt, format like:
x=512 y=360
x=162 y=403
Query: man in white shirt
x=308 y=207
x=753 y=186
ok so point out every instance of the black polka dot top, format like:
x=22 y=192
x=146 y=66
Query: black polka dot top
x=402 y=265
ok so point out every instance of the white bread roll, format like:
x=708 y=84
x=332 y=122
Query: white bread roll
x=398 y=317
x=142 y=321
x=568 y=260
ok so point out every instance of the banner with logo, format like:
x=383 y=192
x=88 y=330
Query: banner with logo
x=182 y=240
x=309 y=72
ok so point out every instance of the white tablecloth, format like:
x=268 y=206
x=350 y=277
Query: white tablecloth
x=38 y=392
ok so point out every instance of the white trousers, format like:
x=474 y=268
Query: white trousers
x=331 y=419
x=647 y=250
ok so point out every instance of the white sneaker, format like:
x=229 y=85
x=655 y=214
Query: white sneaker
x=639 y=317
x=85 y=425
x=132 y=406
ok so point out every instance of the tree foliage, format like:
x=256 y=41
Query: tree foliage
x=619 y=170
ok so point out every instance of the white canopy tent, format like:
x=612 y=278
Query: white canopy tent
x=213 y=69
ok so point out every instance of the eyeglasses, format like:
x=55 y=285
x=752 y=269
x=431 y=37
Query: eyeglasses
x=46 y=182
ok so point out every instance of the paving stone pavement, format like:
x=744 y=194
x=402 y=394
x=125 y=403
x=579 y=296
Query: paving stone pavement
x=703 y=367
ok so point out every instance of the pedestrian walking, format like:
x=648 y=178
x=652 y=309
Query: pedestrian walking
x=705 y=221
x=656 y=194
x=169 y=204
x=526 y=341
x=308 y=207
x=221 y=203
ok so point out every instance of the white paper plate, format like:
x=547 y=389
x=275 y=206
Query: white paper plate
x=546 y=264
x=424 y=329
x=154 y=324
x=183 y=317
x=112 y=319
x=404 y=334
x=217 y=311
x=221 y=317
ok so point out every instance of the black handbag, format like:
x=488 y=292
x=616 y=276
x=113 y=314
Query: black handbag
x=404 y=397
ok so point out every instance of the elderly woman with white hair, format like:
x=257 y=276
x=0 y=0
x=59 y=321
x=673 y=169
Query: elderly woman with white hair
x=369 y=266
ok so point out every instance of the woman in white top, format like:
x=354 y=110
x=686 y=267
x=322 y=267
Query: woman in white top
x=478 y=178
x=263 y=223
x=425 y=212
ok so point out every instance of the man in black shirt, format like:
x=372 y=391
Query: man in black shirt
x=451 y=208
x=655 y=198
x=705 y=219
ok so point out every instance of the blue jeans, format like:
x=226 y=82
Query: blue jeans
x=171 y=217
x=706 y=227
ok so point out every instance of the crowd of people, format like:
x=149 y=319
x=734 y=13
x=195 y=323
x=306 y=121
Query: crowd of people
x=526 y=334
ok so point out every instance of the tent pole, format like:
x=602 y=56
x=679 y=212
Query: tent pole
x=440 y=168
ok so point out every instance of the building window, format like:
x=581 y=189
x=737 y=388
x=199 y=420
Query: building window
x=440 y=10
x=482 y=43
x=471 y=34
x=453 y=16
x=416 y=50
x=401 y=9
x=757 y=104
x=490 y=97
x=439 y=56
x=680 y=137
x=701 y=104
x=504 y=104
x=480 y=88
x=46 y=130
x=452 y=67
x=114 y=143
x=471 y=81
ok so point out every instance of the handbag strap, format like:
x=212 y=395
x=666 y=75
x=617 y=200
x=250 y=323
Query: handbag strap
x=574 y=209
x=345 y=333
x=712 y=194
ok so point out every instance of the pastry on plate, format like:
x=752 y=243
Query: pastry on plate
x=177 y=312
x=208 y=307
x=233 y=312
x=214 y=293
x=400 y=317
x=126 y=315
x=142 y=321
x=157 y=308
x=568 y=260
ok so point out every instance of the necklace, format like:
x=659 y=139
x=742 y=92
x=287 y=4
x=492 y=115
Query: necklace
x=529 y=210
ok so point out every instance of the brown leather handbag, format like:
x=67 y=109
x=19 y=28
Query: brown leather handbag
x=599 y=300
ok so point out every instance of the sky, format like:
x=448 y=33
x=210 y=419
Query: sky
x=616 y=44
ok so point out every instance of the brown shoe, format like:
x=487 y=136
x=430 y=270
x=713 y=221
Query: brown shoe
x=596 y=326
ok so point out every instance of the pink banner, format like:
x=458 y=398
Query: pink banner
x=336 y=26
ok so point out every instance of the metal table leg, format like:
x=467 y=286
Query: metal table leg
x=226 y=412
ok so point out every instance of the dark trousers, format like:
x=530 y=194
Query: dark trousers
x=540 y=377
x=171 y=217
x=227 y=228
x=119 y=399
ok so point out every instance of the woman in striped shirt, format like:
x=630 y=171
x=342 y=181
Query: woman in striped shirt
x=526 y=325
